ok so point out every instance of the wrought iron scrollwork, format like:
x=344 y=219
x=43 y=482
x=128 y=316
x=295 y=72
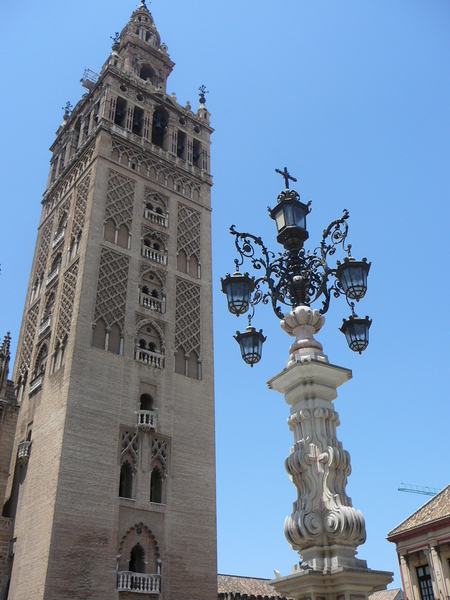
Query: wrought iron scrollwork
x=294 y=277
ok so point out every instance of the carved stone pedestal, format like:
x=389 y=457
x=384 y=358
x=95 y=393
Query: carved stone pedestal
x=324 y=527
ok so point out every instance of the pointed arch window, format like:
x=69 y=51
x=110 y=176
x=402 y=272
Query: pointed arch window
x=156 y=486
x=126 y=480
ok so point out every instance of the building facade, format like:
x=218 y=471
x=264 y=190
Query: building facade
x=423 y=548
x=9 y=410
x=114 y=368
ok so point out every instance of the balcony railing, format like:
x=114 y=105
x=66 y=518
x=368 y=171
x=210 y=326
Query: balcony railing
x=156 y=217
x=156 y=255
x=53 y=275
x=45 y=325
x=138 y=582
x=146 y=420
x=23 y=452
x=151 y=302
x=59 y=237
x=36 y=384
x=155 y=359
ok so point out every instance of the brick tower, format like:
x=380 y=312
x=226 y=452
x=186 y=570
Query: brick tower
x=114 y=493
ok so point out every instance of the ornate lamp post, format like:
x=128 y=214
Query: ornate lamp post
x=296 y=277
x=324 y=527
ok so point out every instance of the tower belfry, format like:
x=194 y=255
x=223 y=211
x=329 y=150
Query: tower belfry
x=112 y=491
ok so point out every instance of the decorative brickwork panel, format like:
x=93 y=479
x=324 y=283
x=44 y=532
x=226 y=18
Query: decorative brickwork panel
x=65 y=184
x=28 y=339
x=120 y=199
x=187 y=317
x=64 y=208
x=67 y=300
x=188 y=232
x=127 y=155
x=160 y=453
x=130 y=445
x=80 y=206
x=44 y=246
x=112 y=288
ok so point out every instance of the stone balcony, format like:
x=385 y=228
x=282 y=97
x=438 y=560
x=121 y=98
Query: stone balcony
x=45 y=325
x=58 y=238
x=156 y=255
x=23 y=452
x=128 y=581
x=151 y=302
x=146 y=420
x=53 y=275
x=155 y=217
x=154 y=359
x=36 y=383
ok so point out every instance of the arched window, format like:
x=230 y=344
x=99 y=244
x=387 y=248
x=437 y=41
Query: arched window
x=146 y=402
x=192 y=363
x=156 y=486
x=180 y=361
x=159 y=126
x=193 y=266
x=122 y=236
x=49 y=306
x=56 y=262
x=147 y=73
x=126 y=480
x=98 y=338
x=182 y=261
x=148 y=347
x=41 y=360
x=137 y=559
x=114 y=339
x=121 y=109
x=110 y=231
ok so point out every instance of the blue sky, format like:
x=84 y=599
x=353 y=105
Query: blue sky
x=352 y=96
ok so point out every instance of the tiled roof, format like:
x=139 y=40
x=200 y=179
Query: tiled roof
x=395 y=594
x=249 y=586
x=435 y=509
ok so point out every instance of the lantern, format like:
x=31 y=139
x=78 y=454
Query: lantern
x=352 y=275
x=238 y=289
x=250 y=342
x=356 y=331
x=290 y=217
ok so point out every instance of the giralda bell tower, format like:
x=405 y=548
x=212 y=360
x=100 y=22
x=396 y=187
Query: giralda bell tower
x=112 y=489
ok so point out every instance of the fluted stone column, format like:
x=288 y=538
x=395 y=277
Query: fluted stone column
x=324 y=527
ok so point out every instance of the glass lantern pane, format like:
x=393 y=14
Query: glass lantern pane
x=300 y=217
x=279 y=219
x=238 y=296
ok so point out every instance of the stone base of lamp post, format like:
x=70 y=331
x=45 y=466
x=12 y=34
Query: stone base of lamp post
x=324 y=527
x=344 y=584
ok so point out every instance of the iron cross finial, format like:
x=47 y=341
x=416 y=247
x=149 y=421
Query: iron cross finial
x=286 y=175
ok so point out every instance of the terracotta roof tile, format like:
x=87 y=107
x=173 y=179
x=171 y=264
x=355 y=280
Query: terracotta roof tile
x=394 y=594
x=250 y=586
x=435 y=509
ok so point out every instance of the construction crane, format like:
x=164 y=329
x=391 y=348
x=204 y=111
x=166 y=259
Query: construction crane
x=418 y=489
